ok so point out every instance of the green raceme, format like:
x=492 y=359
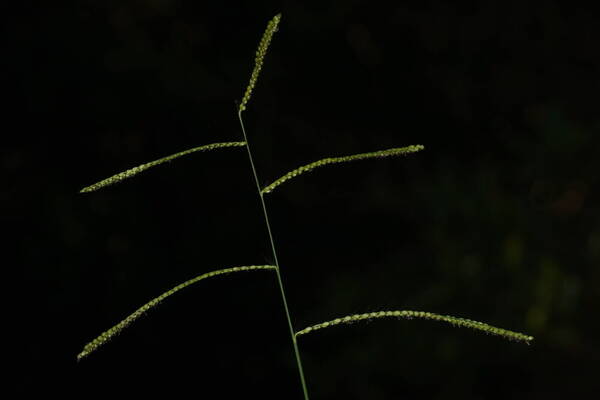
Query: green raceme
x=337 y=160
x=140 y=168
x=460 y=322
x=260 y=54
x=105 y=336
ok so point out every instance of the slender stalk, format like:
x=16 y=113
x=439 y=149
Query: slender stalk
x=277 y=271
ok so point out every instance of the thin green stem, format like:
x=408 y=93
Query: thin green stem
x=277 y=271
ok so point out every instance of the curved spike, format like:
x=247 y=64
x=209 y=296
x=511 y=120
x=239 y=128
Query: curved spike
x=462 y=322
x=335 y=160
x=105 y=336
x=136 y=170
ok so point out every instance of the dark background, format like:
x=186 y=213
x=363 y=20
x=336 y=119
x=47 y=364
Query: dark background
x=497 y=220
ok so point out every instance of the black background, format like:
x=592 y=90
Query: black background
x=497 y=220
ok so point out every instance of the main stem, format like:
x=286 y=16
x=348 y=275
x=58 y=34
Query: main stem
x=277 y=271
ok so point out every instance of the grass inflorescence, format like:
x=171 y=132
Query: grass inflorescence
x=461 y=322
x=261 y=52
x=140 y=168
x=343 y=159
x=110 y=333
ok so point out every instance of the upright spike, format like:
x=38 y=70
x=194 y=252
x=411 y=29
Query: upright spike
x=261 y=52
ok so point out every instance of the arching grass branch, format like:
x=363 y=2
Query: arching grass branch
x=462 y=322
x=107 y=335
x=136 y=170
x=336 y=160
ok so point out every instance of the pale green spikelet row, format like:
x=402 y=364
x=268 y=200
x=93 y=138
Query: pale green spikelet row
x=136 y=170
x=336 y=160
x=261 y=52
x=107 y=335
x=467 y=323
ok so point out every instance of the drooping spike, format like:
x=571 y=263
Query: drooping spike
x=105 y=336
x=136 y=170
x=462 y=322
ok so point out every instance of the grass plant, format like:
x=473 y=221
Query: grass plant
x=261 y=52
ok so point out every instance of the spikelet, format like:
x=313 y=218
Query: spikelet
x=336 y=160
x=107 y=335
x=136 y=170
x=261 y=52
x=466 y=323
